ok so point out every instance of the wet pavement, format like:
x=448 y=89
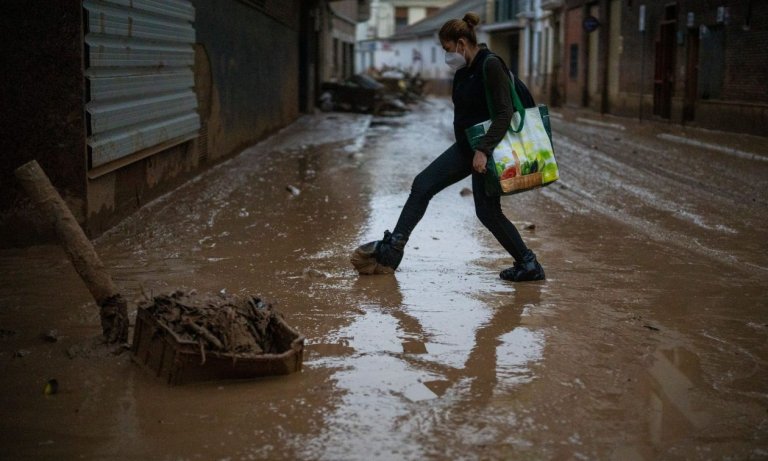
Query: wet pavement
x=648 y=340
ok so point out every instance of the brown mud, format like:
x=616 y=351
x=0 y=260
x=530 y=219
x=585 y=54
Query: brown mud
x=648 y=340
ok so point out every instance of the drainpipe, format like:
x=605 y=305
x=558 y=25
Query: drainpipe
x=605 y=32
x=584 y=58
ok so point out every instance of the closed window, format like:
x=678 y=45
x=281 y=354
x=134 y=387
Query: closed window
x=401 y=18
x=573 y=68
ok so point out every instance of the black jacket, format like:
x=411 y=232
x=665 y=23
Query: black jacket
x=469 y=100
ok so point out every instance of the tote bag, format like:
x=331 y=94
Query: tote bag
x=525 y=158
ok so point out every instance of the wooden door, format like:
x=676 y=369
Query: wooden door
x=664 y=73
x=691 y=76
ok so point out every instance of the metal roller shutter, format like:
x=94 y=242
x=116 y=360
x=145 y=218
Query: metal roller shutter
x=140 y=83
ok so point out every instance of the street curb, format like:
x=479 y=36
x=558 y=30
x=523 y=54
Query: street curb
x=726 y=150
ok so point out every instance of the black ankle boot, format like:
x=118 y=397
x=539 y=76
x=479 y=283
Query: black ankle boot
x=389 y=250
x=526 y=270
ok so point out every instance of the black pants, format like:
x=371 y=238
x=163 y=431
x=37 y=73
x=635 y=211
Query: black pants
x=449 y=168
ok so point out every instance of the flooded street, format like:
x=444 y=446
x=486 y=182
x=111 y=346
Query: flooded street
x=648 y=340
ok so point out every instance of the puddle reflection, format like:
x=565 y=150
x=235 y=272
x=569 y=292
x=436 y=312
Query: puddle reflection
x=460 y=355
x=675 y=377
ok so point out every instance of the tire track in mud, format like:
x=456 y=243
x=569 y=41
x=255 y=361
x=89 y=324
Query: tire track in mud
x=633 y=189
x=735 y=178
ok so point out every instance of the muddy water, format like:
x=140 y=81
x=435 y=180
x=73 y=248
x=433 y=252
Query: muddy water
x=648 y=340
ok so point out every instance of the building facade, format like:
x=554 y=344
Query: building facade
x=685 y=61
x=416 y=49
x=388 y=18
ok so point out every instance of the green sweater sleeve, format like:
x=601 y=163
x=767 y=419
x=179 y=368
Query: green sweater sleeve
x=497 y=82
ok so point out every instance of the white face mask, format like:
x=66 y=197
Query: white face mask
x=455 y=60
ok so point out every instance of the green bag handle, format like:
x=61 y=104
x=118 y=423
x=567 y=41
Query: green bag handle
x=516 y=103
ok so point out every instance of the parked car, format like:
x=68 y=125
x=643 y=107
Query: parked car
x=361 y=93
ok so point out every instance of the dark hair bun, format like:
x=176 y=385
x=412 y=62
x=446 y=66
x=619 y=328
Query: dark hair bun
x=472 y=19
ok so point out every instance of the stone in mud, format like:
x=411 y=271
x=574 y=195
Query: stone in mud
x=313 y=273
x=51 y=336
x=51 y=387
x=74 y=351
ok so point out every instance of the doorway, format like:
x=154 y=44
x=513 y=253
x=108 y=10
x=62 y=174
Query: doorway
x=664 y=72
x=308 y=52
x=691 y=76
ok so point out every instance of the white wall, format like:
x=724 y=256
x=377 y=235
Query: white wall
x=416 y=14
x=400 y=54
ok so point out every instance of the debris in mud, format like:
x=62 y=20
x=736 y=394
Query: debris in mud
x=651 y=327
x=526 y=225
x=184 y=337
x=6 y=333
x=295 y=191
x=21 y=353
x=74 y=350
x=95 y=347
x=223 y=323
x=465 y=192
x=51 y=387
x=51 y=336
x=313 y=273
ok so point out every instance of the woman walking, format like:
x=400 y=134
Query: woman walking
x=463 y=55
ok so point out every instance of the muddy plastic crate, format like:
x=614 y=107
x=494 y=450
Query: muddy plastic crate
x=178 y=361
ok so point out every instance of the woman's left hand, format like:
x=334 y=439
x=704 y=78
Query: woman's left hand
x=479 y=162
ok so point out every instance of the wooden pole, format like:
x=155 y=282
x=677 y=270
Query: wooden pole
x=114 y=311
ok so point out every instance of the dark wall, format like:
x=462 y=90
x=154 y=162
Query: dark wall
x=254 y=63
x=246 y=77
x=247 y=83
x=744 y=44
x=41 y=113
x=746 y=58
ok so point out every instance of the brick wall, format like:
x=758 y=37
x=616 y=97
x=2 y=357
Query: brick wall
x=736 y=87
x=746 y=58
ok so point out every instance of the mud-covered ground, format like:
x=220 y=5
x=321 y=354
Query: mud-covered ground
x=648 y=340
